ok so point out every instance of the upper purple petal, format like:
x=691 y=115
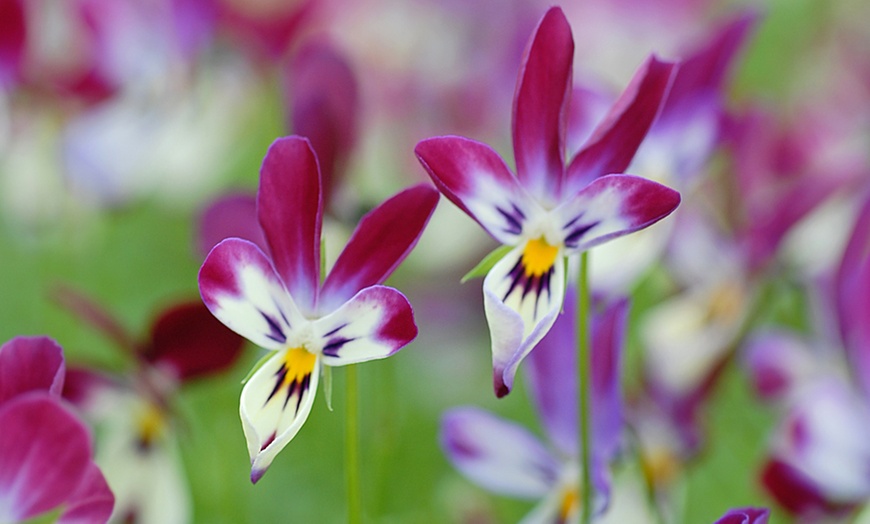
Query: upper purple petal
x=702 y=75
x=290 y=210
x=323 y=98
x=612 y=145
x=540 y=105
x=475 y=178
x=231 y=216
x=30 y=364
x=45 y=452
x=381 y=241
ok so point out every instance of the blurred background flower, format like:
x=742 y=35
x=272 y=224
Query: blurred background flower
x=120 y=123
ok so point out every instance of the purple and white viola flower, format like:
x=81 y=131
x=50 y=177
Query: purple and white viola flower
x=508 y=459
x=46 y=460
x=276 y=299
x=549 y=211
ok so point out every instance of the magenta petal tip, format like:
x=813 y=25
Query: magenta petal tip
x=257 y=474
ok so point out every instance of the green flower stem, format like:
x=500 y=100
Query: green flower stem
x=584 y=373
x=354 y=501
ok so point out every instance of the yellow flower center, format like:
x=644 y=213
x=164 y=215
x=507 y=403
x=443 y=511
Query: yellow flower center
x=299 y=363
x=569 y=504
x=538 y=257
x=151 y=424
x=660 y=466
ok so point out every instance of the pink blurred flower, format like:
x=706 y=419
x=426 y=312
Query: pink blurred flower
x=45 y=450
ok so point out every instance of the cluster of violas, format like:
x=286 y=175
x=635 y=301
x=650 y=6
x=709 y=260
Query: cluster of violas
x=264 y=278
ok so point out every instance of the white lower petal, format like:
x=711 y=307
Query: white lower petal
x=520 y=309
x=276 y=402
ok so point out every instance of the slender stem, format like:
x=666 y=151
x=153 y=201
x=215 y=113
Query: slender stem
x=584 y=374
x=354 y=501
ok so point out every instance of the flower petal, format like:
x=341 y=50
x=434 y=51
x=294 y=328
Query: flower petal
x=540 y=106
x=521 y=306
x=613 y=206
x=231 y=216
x=377 y=322
x=13 y=42
x=852 y=296
x=92 y=501
x=275 y=403
x=794 y=491
x=701 y=75
x=745 y=516
x=45 y=451
x=614 y=142
x=552 y=373
x=323 y=97
x=778 y=363
x=472 y=176
x=823 y=437
x=383 y=238
x=148 y=480
x=191 y=342
x=30 y=364
x=240 y=287
x=496 y=454
x=290 y=210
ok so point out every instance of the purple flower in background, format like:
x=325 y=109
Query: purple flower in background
x=321 y=98
x=13 y=39
x=276 y=299
x=819 y=463
x=785 y=170
x=506 y=458
x=676 y=149
x=549 y=211
x=745 y=516
x=45 y=451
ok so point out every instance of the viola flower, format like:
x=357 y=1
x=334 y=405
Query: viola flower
x=45 y=450
x=549 y=211
x=133 y=411
x=508 y=459
x=276 y=300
